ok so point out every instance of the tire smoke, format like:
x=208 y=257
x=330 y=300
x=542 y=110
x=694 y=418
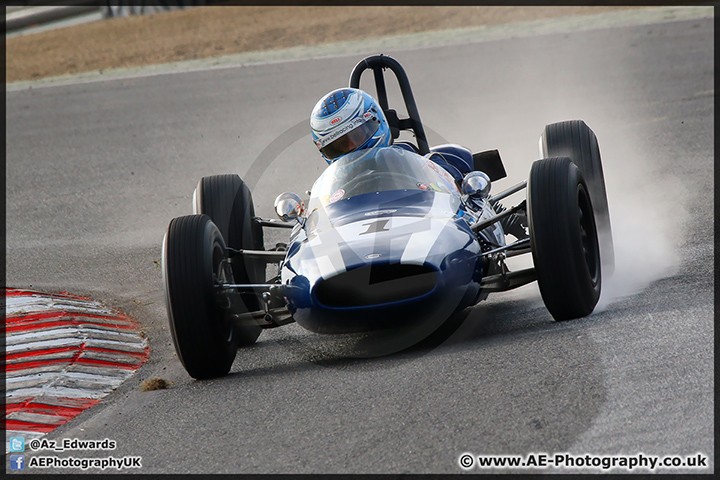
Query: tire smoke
x=647 y=216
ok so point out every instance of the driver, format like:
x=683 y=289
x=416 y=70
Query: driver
x=346 y=120
x=349 y=120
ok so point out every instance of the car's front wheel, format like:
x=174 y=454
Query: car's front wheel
x=563 y=238
x=195 y=259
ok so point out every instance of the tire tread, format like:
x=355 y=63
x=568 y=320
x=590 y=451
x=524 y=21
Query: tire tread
x=563 y=276
x=575 y=140
x=227 y=200
x=194 y=318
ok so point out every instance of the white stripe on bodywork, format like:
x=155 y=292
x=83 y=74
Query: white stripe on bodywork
x=423 y=233
x=326 y=246
x=326 y=268
x=326 y=254
x=421 y=242
x=444 y=206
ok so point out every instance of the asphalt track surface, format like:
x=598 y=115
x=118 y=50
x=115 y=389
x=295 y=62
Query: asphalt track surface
x=96 y=171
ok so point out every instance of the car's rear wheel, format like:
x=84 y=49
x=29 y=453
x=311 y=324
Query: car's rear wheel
x=194 y=259
x=575 y=140
x=227 y=200
x=563 y=238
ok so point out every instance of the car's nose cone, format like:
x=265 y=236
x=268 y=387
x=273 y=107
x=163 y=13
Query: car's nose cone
x=376 y=284
x=379 y=269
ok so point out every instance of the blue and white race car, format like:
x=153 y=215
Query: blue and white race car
x=401 y=239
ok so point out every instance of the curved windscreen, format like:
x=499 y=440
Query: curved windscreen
x=390 y=168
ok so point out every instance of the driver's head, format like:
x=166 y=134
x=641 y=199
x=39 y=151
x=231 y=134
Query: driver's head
x=346 y=120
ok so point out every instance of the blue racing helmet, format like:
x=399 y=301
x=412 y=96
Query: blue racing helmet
x=346 y=120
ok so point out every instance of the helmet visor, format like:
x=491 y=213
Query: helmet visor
x=351 y=141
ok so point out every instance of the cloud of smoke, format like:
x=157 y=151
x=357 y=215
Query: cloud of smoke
x=646 y=203
x=646 y=215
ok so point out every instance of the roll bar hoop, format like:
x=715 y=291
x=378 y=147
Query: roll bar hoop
x=378 y=63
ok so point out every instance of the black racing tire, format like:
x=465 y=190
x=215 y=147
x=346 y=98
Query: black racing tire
x=204 y=336
x=563 y=238
x=575 y=140
x=227 y=200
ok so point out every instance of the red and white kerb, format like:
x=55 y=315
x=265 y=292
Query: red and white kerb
x=63 y=354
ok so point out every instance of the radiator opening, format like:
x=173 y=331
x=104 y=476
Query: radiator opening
x=376 y=284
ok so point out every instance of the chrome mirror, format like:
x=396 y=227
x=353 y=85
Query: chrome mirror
x=476 y=185
x=289 y=206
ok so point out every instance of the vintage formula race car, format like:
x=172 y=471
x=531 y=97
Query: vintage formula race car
x=408 y=236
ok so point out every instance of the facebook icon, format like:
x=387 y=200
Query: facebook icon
x=17 y=462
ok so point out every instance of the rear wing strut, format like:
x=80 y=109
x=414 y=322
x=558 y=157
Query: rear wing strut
x=378 y=63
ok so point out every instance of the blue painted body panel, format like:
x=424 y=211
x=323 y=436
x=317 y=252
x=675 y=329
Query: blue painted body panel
x=386 y=243
x=453 y=256
x=455 y=155
x=456 y=159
